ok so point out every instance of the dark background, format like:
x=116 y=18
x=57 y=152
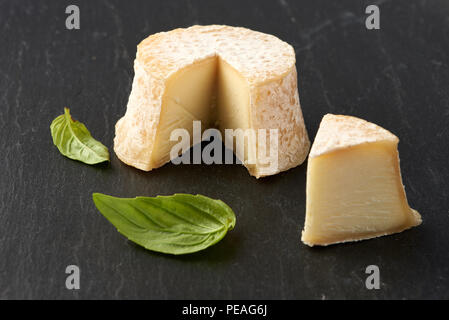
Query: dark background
x=397 y=77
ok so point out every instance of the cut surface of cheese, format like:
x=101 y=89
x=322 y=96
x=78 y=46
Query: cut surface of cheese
x=354 y=185
x=225 y=77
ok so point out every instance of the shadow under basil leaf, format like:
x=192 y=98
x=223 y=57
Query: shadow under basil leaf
x=222 y=251
x=102 y=165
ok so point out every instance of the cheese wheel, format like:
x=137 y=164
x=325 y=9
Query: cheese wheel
x=226 y=77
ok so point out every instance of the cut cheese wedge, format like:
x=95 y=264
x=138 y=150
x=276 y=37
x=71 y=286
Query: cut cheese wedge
x=225 y=77
x=354 y=185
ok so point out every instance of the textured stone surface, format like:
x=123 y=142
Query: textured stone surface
x=397 y=77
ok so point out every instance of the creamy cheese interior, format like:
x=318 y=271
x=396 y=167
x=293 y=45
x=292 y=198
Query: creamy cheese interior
x=356 y=193
x=210 y=91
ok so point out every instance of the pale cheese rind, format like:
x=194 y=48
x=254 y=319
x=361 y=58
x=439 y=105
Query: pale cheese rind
x=340 y=131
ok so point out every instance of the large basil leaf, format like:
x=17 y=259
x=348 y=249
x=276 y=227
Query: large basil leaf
x=177 y=224
x=74 y=140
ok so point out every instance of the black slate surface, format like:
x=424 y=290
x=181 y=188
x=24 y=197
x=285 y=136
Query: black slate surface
x=397 y=77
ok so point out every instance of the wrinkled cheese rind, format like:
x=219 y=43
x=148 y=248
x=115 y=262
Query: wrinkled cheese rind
x=277 y=107
x=340 y=131
x=259 y=57
x=266 y=64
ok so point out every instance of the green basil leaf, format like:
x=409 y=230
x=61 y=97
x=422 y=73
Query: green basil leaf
x=74 y=140
x=177 y=224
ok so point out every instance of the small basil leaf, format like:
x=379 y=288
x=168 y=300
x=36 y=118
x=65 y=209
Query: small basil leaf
x=177 y=224
x=74 y=140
